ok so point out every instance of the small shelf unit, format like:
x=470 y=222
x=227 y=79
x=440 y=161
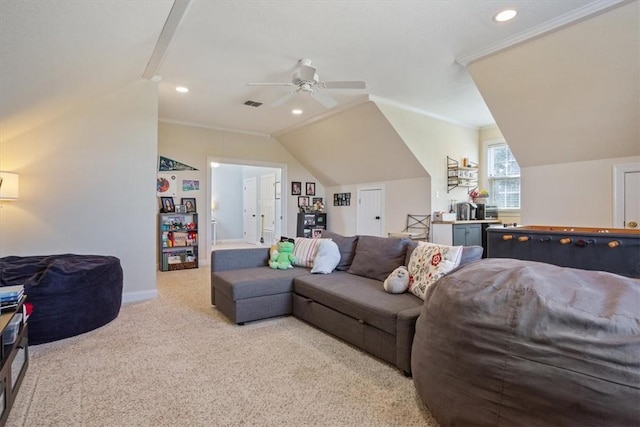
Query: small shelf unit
x=461 y=176
x=178 y=241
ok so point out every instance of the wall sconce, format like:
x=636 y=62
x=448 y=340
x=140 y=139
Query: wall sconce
x=8 y=186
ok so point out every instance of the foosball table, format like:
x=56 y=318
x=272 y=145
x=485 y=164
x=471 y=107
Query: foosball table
x=614 y=250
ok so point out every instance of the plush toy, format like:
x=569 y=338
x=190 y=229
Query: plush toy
x=283 y=258
x=398 y=281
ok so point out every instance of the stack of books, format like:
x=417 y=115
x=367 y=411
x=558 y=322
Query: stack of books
x=10 y=296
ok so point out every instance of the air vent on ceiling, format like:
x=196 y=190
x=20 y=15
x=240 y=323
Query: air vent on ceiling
x=253 y=103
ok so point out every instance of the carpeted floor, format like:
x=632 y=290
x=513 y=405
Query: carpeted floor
x=176 y=361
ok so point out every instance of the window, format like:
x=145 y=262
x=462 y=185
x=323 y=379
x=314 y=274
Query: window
x=504 y=177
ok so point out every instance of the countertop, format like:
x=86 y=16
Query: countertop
x=471 y=221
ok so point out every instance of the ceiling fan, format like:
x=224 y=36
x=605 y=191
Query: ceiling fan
x=305 y=80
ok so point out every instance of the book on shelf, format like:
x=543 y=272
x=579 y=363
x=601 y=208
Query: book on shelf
x=7 y=291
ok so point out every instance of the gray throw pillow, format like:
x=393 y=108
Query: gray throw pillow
x=377 y=257
x=346 y=245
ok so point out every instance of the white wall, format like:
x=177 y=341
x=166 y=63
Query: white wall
x=226 y=189
x=431 y=141
x=570 y=95
x=195 y=146
x=402 y=197
x=574 y=194
x=86 y=186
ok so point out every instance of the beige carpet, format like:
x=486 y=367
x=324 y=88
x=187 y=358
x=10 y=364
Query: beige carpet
x=176 y=361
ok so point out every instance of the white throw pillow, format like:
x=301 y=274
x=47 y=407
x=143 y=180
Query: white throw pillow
x=327 y=257
x=305 y=251
x=428 y=263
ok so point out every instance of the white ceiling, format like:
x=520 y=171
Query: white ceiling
x=55 y=55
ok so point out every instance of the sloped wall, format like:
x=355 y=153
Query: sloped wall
x=355 y=146
x=571 y=95
x=568 y=105
x=431 y=140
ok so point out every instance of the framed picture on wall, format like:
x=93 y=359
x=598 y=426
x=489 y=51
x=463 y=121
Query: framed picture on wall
x=311 y=188
x=303 y=201
x=296 y=188
x=167 y=204
x=166 y=184
x=189 y=203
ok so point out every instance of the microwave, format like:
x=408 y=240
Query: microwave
x=486 y=211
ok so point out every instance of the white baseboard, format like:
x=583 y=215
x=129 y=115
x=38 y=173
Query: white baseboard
x=230 y=241
x=139 y=296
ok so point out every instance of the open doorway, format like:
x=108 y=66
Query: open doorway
x=246 y=203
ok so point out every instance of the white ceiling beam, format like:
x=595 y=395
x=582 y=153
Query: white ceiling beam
x=172 y=23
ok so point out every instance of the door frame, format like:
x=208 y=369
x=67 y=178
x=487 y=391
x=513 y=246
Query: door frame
x=252 y=203
x=368 y=187
x=618 y=190
x=242 y=162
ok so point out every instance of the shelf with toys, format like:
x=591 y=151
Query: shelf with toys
x=178 y=241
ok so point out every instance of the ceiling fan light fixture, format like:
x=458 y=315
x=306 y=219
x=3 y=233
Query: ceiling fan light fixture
x=505 y=15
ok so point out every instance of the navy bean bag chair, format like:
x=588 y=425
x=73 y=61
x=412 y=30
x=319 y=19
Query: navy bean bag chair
x=503 y=342
x=71 y=294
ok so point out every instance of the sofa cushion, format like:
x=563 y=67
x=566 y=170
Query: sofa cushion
x=305 y=251
x=469 y=253
x=347 y=247
x=377 y=257
x=254 y=282
x=327 y=257
x=429 y=262
x=359 y=297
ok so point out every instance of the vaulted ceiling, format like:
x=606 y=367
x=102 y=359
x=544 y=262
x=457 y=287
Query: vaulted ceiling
x=57 y=55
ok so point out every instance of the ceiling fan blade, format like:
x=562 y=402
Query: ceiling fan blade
x=278 y=102
x=357 y=84
x=324 y=99
x=270 y=84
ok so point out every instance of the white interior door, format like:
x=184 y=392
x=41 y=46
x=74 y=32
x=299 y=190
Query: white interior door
x=267 y=208
x=369 y=219
x=632 y=199
x=249 y=198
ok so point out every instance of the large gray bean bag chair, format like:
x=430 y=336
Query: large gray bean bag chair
x=504 y=342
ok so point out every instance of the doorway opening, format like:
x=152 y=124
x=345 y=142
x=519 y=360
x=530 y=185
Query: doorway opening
x=246 y=206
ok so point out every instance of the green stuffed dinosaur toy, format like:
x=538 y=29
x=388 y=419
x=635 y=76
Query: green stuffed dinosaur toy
x=283 y=258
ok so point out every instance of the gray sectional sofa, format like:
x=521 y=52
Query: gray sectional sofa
x=349 y=303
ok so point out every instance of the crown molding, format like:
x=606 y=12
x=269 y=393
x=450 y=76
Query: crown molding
x=554 y=24
x=395 y=104
x=221 y=129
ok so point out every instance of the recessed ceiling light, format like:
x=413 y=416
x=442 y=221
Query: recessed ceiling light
x=182 y=89
x=505 y=15
x=296 y=111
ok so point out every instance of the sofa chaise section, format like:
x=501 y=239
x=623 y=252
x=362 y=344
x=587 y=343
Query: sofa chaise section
x=358 y=310
x=244 y=289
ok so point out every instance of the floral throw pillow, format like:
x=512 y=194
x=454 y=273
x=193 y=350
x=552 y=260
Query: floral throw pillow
x=428 y=263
